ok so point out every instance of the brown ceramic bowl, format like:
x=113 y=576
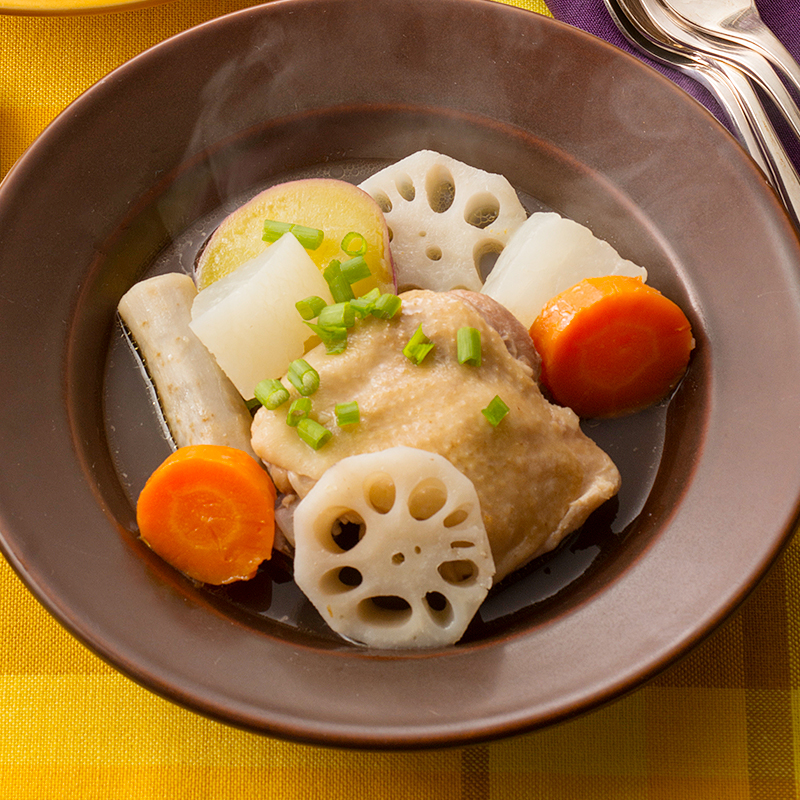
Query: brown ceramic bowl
x=131 y=179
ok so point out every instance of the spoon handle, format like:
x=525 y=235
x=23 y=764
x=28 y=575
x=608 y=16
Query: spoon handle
x=730 y=87
x=759 y=69
x=749 y=29
x=673 y=25
x=779 y=168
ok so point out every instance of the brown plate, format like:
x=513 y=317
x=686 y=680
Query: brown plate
x=132 y=178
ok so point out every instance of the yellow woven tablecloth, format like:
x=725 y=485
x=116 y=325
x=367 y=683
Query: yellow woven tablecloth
x=722 y=724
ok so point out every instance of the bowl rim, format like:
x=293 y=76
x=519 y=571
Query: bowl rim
x=516 y=659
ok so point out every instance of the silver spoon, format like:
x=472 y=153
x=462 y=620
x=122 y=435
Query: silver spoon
x=734 y=92
x=673 y=28
x=724 y=82
x=738 y=21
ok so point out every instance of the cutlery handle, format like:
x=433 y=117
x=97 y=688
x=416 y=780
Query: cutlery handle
x=750 y=29
x=759 y=69
x=723 y=82
x=780 y=171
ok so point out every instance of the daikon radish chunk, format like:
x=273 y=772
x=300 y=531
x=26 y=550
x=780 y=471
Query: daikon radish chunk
x=391 y=549
x=248 y=318
x=198 y=402
x=444 y=217
x=544 y=257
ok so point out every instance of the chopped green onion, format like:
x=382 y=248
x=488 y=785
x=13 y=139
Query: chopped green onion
x=310 y=307
x=363 y=305
x=339 y=315
x=495 y=411
x=336 y=346
x=334 y=339
x=386 y=306
x=340 y=290
x=419 y=345
x=312 y=433
x=354 y=244
x=310 y=238
x=271 y=393
x=355 y=269
x=333 y=348
x=337 y=283
x=468 y=343
x=253 y=404
x=299 y=409
x=347 y=413
x=333 y=270
x=303 y=377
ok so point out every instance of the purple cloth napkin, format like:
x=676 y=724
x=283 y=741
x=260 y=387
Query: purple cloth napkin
x=781 y=16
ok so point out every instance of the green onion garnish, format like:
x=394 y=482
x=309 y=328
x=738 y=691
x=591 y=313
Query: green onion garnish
x=312 y=433
x=310 y=307
x=337 y=283
x=271 y=393
x=495 y=411
x=303 y=377
x=354 y=244
x=347 y=413
x=419 y=345
x=253 y=404
x=386 y=306
x=336 y=346
x=363 y=305
x=340 y=290
x=333 y=270
x=355 y=269
x=310 y=238
x=338 y=315
x=335 y=339
x=468 y=343
x=299 y=409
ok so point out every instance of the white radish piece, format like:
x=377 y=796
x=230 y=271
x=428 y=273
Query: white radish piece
x=391 y=549
x=199 y=404
x=443 y=217
x=546 y=256
x=248 y=318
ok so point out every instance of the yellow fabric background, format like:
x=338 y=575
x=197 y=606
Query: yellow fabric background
x=723 y=724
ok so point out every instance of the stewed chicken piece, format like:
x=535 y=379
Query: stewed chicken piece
x=537 y=475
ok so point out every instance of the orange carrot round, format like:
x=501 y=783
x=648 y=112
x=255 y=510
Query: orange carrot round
x=209 y=511
x=611 y=346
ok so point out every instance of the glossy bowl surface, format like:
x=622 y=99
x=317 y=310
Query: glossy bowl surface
x=132 y=178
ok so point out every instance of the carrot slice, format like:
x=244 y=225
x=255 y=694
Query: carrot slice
x=611 y=346
x=209 y=511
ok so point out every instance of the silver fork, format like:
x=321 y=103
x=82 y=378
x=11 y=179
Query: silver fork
x=738 y=21
x=751 y=62
x=741 y=104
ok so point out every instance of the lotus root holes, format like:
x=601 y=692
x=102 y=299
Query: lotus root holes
x=405 y=187
x=455 y=518
x=485 y=256
x=427 y=498
x=461 y=572
x=434 y=253
x=380 y=492
x=347 y=531
x=384 y=610
x=341 y=580
x=384 y=203
x=440 y=188
x=482 y=210
x=439 y=607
